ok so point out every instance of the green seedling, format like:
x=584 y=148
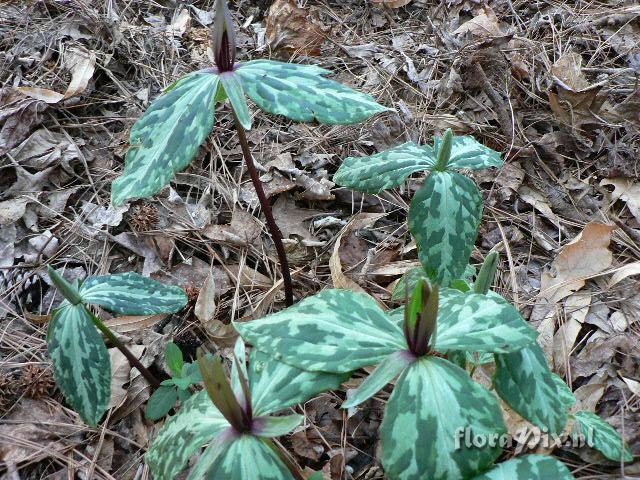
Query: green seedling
x=81 y=362
x=167 y=137
x=234 y=417
x=178 y=387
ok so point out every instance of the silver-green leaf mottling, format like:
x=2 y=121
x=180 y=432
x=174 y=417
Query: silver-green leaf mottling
x=81 y=362
x=301 y=93
x=132 y=294
x=276 y=385
x=444 y=217
x=249 y=458
x=333 y=331
x=523 y=380
x=197 y=422
x=467 y=152
x=480 y=323
x=386 y=371
x=528 y=467
x=424 y=422
x=603 y=436
x=166 y=138
x=386 y=169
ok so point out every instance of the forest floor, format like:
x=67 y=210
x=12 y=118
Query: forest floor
x=553 y=85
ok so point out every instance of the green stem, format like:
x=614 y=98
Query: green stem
x=68 y=291
x=153 y=381
x=266 y=208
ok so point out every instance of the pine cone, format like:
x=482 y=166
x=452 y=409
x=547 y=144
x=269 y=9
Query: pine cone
x=143 y=217
x=36 y=382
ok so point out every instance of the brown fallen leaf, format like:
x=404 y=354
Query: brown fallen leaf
x=575 y=102
x=293 y=29
x=483 y=25
x=81 y=63
x=243 y=230
x=18 y=115
x=291 y=219
x=340 y=280
x=120 y=373
x=627 y=191
x=586 y=255
x=131 y=323
x=205 y=309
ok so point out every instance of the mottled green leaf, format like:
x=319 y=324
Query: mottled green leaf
x=386 y=371
x=444 y=217
x=301 y=93
x=602 y=436
x=197 y=422
x=160 y=402
x=408 y=282
x=167 y=137
x=567 y=397
x=276 y=385
x=216 y=451
x=480 y=323
x=528 y=467
x=276 y=426
x=386 y=169
x=333 y=331
x=132 y=294
x=249 y=458
x=174 y=359
x=233 y=88
x=523 y=380
x=467 y=152
x=81 y=362
x=424 y=424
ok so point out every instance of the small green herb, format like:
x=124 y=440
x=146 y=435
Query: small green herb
x=184 y=375
x=81 y=363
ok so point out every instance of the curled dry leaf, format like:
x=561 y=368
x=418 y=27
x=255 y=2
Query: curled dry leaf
x=81 y=63
x=205 y=309
x=243 y=230
x=586 y=255
x=120 y=369
x=293 y=29
x=132 y=323
x=340 y=280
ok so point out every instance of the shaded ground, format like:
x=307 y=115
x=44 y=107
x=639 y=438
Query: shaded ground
x=552 y=85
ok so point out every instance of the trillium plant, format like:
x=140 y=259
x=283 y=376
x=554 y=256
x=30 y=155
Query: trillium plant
x=446 y=211
x=81 y=363
x=166 y=138
x=178 y=387
x=234 y=417
x=431 y=346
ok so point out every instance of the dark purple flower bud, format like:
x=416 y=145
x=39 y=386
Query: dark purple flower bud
x=224 y=38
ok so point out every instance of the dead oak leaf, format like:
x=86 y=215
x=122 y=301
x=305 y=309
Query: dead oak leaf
x=586 y=255
x=294 y=29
